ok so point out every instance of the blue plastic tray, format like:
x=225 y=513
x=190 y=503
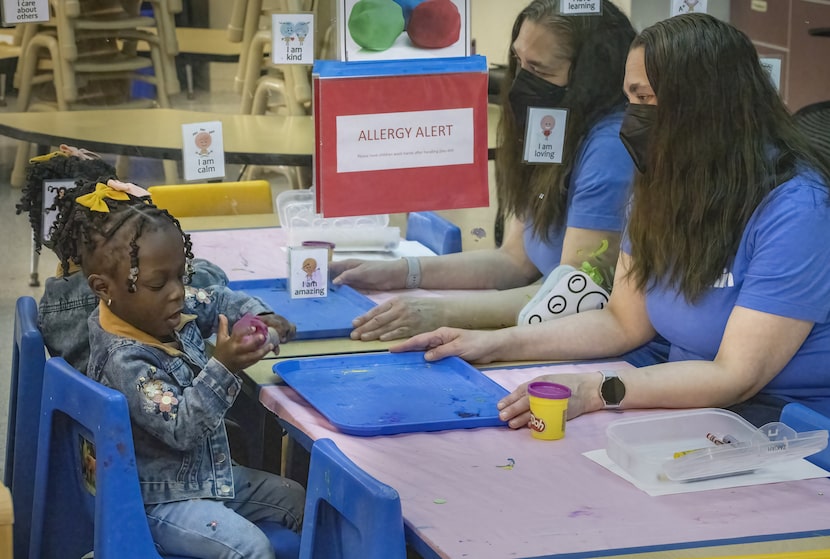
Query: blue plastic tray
x=388 y=393
x=319 y=317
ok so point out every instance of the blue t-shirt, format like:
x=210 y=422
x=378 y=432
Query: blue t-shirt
x=781 y=268
x=597 y=193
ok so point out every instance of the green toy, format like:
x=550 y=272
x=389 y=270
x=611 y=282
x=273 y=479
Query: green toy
x=376 y=24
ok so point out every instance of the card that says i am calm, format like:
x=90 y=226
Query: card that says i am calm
x=308 y=272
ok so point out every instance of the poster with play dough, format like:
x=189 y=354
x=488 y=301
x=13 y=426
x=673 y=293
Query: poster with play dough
x=403 y=29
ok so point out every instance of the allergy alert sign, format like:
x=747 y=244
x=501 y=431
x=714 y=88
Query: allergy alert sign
x=402 y=136
x=405 y=140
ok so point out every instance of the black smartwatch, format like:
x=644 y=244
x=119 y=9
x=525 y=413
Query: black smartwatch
x=611 y=390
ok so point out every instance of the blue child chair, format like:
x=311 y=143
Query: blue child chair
x=438 y=234
x=348 y=513
x=87 y=494
x=28 y=359
x=801 y=418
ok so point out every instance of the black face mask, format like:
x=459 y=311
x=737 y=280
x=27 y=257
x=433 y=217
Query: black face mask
x=529 y=90
x=635 y=132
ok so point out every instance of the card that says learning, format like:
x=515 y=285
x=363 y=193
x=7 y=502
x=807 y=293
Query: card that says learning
x=581 y=7
x=308 y=272
x=545 y=135
x=203 y=151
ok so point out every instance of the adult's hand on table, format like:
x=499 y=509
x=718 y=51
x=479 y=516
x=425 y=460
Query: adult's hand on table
x=475 y=346
x=369 y=274
x=400 y=317
x=515 y=407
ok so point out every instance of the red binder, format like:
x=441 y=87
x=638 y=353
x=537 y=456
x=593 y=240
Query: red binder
x=400 y=136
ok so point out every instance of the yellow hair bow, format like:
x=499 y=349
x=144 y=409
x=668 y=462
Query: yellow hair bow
x=47 y=157
x=95 y=201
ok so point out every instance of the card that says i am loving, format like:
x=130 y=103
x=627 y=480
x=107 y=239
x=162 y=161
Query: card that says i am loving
x=308 y=272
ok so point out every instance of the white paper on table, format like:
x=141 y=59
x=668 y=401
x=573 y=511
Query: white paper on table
x=792 y=470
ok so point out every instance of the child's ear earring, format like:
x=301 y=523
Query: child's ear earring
x=109 y=302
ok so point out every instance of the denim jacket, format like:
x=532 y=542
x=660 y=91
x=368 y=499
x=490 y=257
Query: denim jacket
x=62 y=314
x=67 y=302
x=177 y=398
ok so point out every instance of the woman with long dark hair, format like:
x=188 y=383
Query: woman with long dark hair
x=725 y=254
x=555 y=213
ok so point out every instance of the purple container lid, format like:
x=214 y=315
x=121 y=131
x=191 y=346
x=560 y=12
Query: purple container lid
x=550 y=390
x=319 y=244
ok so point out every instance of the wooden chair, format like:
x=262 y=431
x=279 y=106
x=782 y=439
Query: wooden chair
x=219 y=198
x=87 y=58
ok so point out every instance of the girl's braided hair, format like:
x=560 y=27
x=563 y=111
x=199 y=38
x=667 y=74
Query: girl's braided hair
x=80 y=231
x=57 y=167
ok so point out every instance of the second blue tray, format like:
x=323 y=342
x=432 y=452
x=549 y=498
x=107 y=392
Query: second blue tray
x=388 y=393
x=320 y=317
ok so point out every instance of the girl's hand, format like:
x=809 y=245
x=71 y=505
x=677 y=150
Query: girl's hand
x=238 y=350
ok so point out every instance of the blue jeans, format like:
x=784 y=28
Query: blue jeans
x=224 y=529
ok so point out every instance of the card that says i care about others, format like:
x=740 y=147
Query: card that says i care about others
x=308 y=272
x=25 y=11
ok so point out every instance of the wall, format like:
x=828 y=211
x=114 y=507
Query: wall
x=780 y=28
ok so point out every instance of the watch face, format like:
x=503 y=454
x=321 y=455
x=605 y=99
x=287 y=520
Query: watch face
x=613 y=390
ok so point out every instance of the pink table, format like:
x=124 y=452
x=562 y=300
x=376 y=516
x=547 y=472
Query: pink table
x=259 y=253
x=554 y=502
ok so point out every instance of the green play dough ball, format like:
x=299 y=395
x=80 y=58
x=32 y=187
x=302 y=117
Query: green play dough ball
x=376 y=24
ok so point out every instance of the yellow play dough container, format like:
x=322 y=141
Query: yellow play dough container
x=548 y=409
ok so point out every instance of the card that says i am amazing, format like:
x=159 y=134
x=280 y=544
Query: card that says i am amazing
x=308 y=272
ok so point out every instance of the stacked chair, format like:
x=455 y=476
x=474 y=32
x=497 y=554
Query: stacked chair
x=86 y=57
x=269 y=88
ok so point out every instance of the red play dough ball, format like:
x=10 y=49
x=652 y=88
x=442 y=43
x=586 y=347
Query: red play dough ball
x=434 y=24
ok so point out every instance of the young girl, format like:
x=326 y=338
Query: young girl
x=67 y=300
x=147 y=341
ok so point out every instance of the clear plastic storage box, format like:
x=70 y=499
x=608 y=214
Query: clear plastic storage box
x=358 y=233
x=700 y=444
